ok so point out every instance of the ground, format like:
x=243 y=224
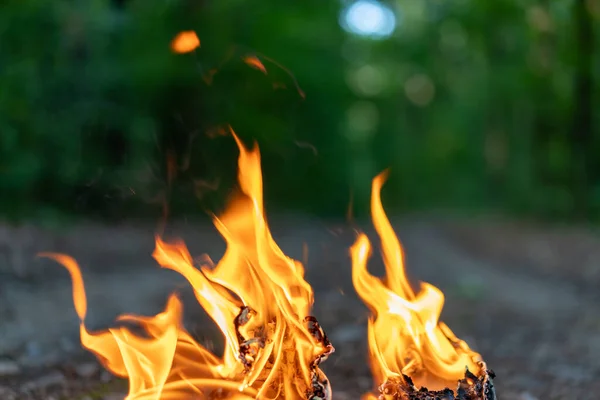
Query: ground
x=525 y=296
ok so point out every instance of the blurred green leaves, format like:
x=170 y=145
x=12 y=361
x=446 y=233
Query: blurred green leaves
x=471 y=103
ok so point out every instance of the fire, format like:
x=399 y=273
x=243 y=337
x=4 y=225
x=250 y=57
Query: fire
x=404 y=333
x=256 y=295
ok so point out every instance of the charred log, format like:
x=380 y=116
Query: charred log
x=319 y=387
x=471 y=387
x=250 y=347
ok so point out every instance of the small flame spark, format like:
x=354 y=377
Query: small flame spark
x=185 y=42
x=255 y=63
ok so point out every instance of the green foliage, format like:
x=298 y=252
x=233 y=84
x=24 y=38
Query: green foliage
x=471 y=103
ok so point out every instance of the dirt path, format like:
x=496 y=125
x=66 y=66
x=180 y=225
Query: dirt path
x=535 y=319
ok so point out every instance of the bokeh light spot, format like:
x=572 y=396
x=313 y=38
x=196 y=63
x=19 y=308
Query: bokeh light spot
x=539 y=18
x=369 y=18
x=453 y=37
x=362 y=119
x=419 y=89
x=367 y=81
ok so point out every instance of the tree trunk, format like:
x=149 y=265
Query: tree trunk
x=582 y=146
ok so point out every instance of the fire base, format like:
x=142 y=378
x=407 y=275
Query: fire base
x=472 y=387
x=319 y=387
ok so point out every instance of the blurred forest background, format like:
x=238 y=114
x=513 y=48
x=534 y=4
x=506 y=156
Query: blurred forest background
x=476 y=106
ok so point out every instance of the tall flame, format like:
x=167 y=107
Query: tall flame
x=256 y=295
x=404 y=333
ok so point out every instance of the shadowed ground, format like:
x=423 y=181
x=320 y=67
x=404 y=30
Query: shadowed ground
x=526 y=297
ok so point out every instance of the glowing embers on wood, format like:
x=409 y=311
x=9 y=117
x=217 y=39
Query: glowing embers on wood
x=471 y=387
x=256 y=295
x=409 y=348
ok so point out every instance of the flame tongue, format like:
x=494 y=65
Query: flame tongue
x=256 y=295
x=405 y=334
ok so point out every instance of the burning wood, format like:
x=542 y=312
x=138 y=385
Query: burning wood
x=409 y=347
x=249 y=349
x=256 y=295
x=471 y=387
x=320 y=388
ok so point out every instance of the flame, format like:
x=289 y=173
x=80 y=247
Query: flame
x=404 y=333
x=256 y=295
x=185 y=42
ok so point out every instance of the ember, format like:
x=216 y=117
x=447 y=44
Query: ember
x=409 y=347
x=185 y=42
x=256 y=295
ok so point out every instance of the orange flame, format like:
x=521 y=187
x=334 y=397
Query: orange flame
x=256 y=295
x=404 y=333
x=185 y=42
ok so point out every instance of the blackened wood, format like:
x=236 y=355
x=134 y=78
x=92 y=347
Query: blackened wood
x=471 y=387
